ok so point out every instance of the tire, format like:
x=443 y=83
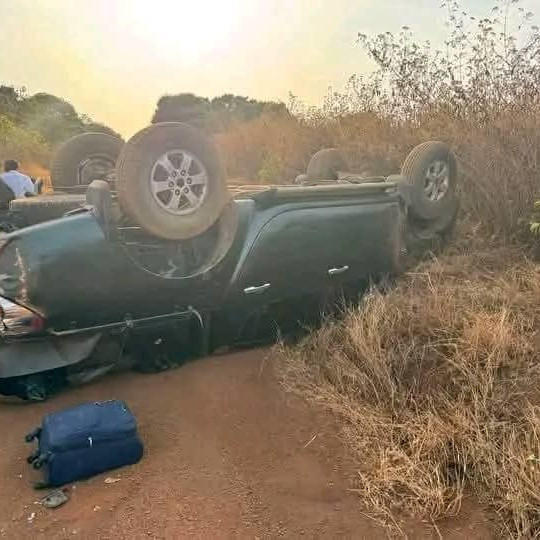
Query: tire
x=422 y=237
x=153 y=195
x=325 y=165
x=85 y=157
x=32 y=210
x=431 y=197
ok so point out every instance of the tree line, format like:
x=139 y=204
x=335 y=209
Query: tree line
x=54 y=119
x=50 y=117
x=213 y=115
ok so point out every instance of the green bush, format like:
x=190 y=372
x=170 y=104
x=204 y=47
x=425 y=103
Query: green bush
x=21 y=143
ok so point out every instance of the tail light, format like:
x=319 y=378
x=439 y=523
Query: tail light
x=18 y=321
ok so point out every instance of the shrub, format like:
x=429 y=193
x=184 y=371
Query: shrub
x=21 y=143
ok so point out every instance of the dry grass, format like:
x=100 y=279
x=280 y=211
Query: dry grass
x=498 y=162
x=436 y=383
x=479 y=93
x=272 y=147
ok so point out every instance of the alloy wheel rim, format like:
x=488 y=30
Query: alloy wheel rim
x=179 y=182
x=437 y=180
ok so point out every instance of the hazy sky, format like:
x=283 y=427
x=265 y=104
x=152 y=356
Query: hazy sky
x=113 y=58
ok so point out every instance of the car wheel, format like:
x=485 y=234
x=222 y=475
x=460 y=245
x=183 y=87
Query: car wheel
x=424 y=237
x=325 y=165
x=84 y=158
x=170 y=181
x=430 y=171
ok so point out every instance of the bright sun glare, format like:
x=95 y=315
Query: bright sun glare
x=190 y=28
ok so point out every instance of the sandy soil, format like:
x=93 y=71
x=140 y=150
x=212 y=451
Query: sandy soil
x=228 y=455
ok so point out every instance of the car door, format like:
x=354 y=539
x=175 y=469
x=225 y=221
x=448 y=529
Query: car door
x=305 y=249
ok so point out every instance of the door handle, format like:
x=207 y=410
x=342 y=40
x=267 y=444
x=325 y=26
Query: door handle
x=257 y=290
x=337 y=271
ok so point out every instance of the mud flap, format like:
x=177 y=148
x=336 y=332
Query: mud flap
x=18 y=359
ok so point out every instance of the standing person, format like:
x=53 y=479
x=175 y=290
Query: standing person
x=20 y=184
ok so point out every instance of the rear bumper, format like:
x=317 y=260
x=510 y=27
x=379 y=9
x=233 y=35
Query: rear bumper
x=19 y=358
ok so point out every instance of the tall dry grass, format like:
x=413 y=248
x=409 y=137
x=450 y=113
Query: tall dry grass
x=499 y=162
x=436 y=384
x=436 y=380
x=481 y=94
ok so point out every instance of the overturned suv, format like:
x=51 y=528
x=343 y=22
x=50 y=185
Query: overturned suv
x=164 y=261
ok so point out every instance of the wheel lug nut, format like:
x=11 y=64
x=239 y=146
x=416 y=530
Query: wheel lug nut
x=177 y=192
x=188 y=181
x=186 y=189
x=183 y=173
x=171 y=184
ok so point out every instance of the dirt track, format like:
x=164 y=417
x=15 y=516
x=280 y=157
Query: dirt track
x=228 y=454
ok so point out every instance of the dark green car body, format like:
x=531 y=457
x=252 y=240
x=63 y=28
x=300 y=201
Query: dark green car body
x=85 y=283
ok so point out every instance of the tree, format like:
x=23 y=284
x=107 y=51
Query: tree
x=53 y=119
x=10 y=100
x=185 y=107
x=213 y=115
x=229 y=108
x=90 y=125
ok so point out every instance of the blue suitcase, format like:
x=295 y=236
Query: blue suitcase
x=85 y=440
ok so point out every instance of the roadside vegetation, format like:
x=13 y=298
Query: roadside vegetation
x=435 y=385
x=480 y=94
x=26 y=144
x=32 y=126
x=435 y=379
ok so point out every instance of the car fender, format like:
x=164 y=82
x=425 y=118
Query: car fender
x=19 y=358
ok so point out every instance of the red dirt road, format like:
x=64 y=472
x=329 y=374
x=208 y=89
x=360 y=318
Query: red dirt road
x=228 y=455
